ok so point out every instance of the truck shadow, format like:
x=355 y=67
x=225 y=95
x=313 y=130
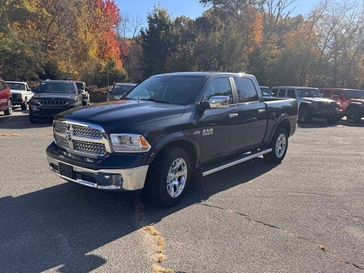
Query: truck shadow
x=59 y=226
x=21 y=122
x=317 y=123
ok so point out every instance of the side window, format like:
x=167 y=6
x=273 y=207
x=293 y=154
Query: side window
x=282 y=93
x=275 y=92
x=246 y=90
x=218 y=87
x=291 y=93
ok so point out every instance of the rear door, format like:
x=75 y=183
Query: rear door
x=252 y=116
x=217 y=126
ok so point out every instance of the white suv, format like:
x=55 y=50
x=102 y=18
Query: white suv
x=21 y=93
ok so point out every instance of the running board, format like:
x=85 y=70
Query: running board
x=244 y=159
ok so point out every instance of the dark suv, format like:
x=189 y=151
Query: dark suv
x=311 y=103
x=52 y=98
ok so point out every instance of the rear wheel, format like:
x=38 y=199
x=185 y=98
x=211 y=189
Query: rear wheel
x=354 y=116
x=9 y=110
x=333 y=120
x=279 y=146
x=168 y=178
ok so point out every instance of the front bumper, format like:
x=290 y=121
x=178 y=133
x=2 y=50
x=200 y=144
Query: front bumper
x=327 y=113
x=104 y=179
x=43 y=112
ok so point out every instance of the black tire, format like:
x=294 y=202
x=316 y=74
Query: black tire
x=353 y=116
x=32 y=119
x=9 y=110
x=274 y=156
x=155 y=189
x=24 y=105
x=304 y=117
x=333 y=120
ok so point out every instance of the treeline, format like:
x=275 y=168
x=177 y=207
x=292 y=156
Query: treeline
x=83 y=39
x=60 y=39
x=325 y=48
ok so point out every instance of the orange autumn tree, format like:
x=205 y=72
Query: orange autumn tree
x=105 y=25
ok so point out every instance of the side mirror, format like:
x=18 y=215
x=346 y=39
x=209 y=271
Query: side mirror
x=335 y=97
x=219 y=102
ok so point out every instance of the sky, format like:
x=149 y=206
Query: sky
x=191 y=8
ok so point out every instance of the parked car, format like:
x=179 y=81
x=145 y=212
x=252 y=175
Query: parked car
x=5 y=98
x=311 y=103
x=21 y=93
x=167 y=128
x=351 y=101
x=81 y=86
x=52 y=98
x=266 y=92
x=119 y=90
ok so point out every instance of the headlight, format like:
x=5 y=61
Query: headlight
x=129 y=143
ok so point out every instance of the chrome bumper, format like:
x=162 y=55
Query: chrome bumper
x=107 y=179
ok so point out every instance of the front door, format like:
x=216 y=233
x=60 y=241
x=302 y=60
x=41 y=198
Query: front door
x=217 y=125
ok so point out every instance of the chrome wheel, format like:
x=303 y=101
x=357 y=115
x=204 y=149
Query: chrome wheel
x=177 y=177
x=281 y=145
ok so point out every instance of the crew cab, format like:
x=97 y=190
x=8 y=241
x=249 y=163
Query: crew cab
x=21 y=93
x=351 y=101
x=5 y=98
x=311 y=103
x=81 y=86
x=166 y=129
x=52 y=98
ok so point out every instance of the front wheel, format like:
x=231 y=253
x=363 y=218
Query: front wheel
x=9 y=110
x=305 y=117
x=279 y=146
x=353 y=116
x=168 y=178
x=24 y=105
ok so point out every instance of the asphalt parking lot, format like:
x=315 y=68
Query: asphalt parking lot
x=305 y=215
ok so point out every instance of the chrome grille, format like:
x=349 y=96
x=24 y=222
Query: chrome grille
x=89 y=147
x=82 y=131
x=55 y=102
x=82 y=139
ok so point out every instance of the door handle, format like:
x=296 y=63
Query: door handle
x=233 y=115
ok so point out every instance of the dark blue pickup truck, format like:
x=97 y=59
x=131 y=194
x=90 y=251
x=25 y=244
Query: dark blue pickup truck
x=170 y=127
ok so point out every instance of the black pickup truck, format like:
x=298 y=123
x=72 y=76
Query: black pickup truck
x=166 y=129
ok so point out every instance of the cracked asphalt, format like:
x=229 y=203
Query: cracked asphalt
x=305 y=215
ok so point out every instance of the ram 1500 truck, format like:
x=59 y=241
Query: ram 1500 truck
x=166 y=129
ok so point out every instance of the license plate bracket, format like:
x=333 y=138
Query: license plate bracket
x=66 y=170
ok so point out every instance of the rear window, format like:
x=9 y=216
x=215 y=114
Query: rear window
x=58 y=87
x=246 y=89
x=119 y=90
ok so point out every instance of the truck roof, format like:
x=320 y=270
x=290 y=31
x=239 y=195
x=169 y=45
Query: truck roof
x=16 y=82
x=294 y=87
x=341 y=89
x=208 y=74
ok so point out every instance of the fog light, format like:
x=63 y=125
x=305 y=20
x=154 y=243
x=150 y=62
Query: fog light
x=117 y=180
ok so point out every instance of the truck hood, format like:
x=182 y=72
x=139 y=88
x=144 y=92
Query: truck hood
x=117 y=116
x=361 y=101
x=315 y=99
x=17 y=91
x=55 y=96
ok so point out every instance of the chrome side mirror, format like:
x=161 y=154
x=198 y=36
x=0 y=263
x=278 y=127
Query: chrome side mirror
x=219 y=102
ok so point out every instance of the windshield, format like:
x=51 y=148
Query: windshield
x=355 y=94
x=16 y=86
x=80 y=86
x=266 y=92
x=311 y=93
x=57 y=87
x=120 y=90
x=173 y=89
